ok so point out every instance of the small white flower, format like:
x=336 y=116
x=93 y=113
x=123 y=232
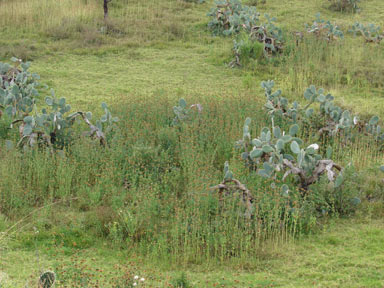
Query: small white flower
x=136 y=277
x=135 y=284
x=355 y=120
x=314 y=146
x=142 y=279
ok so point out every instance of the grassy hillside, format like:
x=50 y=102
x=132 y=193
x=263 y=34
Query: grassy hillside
x=143 y=203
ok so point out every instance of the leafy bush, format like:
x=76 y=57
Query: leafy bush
x=325 y=29
x=371 y=33
x=231 y=16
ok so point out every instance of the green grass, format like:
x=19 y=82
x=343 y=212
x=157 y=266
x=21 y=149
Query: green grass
x=347 y=253
x=159 y=51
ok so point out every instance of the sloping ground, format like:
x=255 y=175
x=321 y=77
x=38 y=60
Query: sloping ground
x=348 y=253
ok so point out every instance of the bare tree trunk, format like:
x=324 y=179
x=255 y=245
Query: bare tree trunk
x=106 y=9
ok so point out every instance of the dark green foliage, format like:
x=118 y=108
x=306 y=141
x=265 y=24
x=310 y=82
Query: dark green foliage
x=47 y=279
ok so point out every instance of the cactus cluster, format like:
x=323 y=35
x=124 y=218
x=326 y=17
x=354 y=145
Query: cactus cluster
x=50 y=127
x=267 y=34
x=276 y=153
x=371 y=32
x=325 y=29
x=231 y=16
x=183 y=112
x=277 y=105
x=373 y=128
x=18 y=88
x=329 y=119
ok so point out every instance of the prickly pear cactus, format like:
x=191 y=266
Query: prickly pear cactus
x=183 y=112
x=325 y=29
x=371 y=33
x=276 y=153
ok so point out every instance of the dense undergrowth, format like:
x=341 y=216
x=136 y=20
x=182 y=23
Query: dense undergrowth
x=148 y=190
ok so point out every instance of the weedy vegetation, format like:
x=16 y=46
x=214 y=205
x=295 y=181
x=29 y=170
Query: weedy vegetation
x=170 y=187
